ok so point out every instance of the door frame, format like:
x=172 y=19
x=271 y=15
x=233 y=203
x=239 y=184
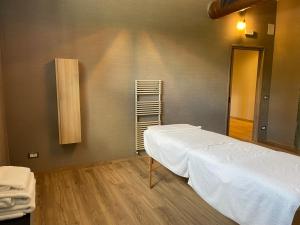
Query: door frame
x=259 y=82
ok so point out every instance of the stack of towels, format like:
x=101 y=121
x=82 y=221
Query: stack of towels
x=17 y=192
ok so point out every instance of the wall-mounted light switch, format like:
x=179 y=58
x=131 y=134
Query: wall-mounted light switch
x=264 y=128
x=33 y=155
x=271 y=29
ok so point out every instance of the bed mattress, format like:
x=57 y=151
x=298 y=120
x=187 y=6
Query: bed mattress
x=169 y=144
x=248 y=183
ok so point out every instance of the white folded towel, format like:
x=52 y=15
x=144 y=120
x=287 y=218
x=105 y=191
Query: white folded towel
x=19 y=210
x=4 y=188
x=6 y=203
x=12 y=215
x=13 y=177
x=14 y=197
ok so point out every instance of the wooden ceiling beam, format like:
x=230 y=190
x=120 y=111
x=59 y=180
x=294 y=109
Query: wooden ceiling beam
x=221 y=8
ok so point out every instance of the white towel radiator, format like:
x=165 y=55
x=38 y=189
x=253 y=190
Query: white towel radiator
x=148 y=108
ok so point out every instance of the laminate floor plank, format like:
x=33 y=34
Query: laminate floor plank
x=117 y=193
x=241 y=129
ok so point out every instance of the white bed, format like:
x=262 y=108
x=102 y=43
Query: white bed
x=169 y=144
x=248 y=183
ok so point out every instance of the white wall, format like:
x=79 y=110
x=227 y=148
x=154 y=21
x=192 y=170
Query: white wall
x=244 y=77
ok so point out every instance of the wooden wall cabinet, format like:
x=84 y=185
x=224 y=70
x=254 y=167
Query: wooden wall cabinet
x=68 y=100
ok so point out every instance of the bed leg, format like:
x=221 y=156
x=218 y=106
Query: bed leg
x=150 y=172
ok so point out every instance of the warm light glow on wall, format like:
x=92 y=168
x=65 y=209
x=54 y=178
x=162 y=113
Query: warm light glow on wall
x=241 y=25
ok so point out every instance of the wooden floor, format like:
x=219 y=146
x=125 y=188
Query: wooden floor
x=118 y=193
x=241 y=129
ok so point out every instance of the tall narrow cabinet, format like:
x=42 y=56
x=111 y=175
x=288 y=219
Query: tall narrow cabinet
x=68 y=100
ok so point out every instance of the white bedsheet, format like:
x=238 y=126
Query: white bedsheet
x=250 y=184
x=169 y=144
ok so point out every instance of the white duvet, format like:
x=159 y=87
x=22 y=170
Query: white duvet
x=250 y=184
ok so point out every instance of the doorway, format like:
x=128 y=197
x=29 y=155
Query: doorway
x=244 y=94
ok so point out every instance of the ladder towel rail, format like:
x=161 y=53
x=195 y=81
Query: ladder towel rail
x=148 y=108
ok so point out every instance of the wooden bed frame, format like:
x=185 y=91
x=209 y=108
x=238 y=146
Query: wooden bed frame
x=151 y=169
x=150 y=172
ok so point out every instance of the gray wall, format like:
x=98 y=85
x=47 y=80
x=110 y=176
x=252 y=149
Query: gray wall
x=116 y=42
x=286 y=77
x=257 y=19
x=3 y=138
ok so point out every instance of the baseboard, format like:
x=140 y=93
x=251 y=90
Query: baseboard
x=281 y=147
x=86 y=165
